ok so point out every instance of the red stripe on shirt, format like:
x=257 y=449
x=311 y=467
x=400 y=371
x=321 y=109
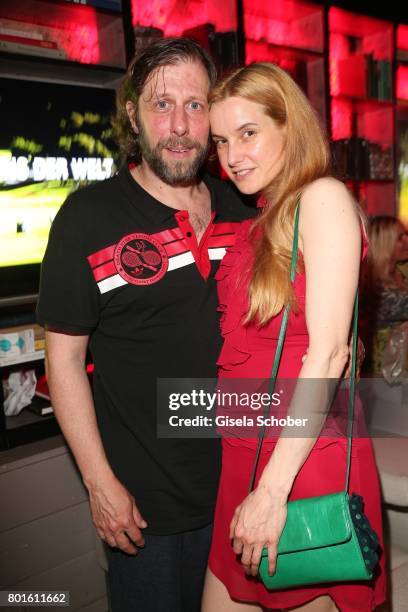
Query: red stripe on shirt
x=108 y=269
x=104 y=271
x=173 y=241
x=225 y=228
x=175 y=248
x=104 y=255
x=101 y=257
x=168 y=235
x=225 y=240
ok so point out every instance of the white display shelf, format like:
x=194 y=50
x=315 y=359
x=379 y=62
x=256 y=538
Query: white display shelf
x=24 y=358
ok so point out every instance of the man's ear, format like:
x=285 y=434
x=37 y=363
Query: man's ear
x=131 y=112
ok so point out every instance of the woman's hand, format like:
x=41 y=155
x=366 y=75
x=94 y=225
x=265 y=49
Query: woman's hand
x=258 y=522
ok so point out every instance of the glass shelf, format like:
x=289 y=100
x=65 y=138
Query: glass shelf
x=289 y=23
x=173 y=18
x=62 y=31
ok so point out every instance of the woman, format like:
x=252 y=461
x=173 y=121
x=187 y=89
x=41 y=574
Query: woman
x=384 y=316
x=269 y=143
x=385 y=295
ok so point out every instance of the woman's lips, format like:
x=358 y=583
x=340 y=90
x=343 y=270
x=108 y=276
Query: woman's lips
x=240 y=175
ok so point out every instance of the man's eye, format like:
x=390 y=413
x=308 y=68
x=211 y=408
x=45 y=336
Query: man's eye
x=196 y=105
x=162 y=104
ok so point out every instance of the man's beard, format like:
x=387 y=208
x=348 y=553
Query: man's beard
x=179 y=172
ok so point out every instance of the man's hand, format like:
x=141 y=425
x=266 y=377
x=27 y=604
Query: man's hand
x=114 y=512
x=115 y=515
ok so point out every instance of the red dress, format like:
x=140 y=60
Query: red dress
x=248 y=352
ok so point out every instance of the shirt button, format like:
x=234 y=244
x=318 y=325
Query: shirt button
x=189 y=234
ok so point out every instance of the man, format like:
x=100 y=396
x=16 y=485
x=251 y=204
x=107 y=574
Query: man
x=129 y=271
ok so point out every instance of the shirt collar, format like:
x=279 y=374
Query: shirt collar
x=154 y=210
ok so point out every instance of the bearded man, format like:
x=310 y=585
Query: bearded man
x=129 y=273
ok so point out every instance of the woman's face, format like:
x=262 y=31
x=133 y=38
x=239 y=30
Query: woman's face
x=401 y=244
x=250 y=145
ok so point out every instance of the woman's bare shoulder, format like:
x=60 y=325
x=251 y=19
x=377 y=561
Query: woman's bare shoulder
x=327 y=196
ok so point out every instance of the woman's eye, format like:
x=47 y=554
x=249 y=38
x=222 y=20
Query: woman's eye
x=219 y=143
x=249 y=133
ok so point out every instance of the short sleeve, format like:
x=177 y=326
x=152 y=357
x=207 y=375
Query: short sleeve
x=68 y=296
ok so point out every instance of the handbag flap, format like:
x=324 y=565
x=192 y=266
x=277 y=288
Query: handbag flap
x=316 y=522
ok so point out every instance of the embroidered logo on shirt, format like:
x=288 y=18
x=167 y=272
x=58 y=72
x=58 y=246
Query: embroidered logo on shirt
x=105 y=269
x=140 y=259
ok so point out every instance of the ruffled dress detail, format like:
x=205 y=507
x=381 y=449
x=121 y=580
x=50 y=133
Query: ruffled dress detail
x=235 y=349
x=248 y=353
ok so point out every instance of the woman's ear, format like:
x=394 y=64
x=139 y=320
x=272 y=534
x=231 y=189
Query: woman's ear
x=131 y=112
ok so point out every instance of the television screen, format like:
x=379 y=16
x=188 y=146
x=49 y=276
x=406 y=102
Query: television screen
x=53 y=139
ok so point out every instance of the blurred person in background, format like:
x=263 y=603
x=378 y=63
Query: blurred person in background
x=385 y=293
x=385 y=326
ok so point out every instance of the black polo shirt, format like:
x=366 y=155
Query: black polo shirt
x=126 y=269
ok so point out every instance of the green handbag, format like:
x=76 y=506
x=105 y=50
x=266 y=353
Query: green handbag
x=325 y=538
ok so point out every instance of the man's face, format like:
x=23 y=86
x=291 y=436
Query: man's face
x=172 y=121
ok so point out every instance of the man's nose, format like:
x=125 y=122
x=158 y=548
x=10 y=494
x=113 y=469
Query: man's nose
x=179 y=121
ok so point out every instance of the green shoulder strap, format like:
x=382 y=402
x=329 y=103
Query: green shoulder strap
x=278 y=353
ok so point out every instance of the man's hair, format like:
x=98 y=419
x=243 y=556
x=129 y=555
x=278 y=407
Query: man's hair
x=163 y=52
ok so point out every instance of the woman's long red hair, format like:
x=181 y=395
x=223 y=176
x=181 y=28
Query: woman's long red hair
x=306 y=158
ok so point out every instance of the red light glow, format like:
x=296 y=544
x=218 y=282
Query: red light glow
x=287 y=23
x=402 y=83
x=263 y=52
x=173 y=17
x=74 y=29
x=370 y=35
x=341 y=119
x=402 y=37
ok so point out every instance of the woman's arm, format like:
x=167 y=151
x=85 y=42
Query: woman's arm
x=330 y=239
x=331 y=244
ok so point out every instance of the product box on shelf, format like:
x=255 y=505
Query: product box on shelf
x=15 y=343
x=64 y=31
x=20 y=340
x=30 y=46
x=112 y=5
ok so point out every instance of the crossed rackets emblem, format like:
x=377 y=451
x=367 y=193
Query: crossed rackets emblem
x=140 y=259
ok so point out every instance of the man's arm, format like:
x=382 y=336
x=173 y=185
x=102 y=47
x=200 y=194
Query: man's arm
x=114 y=511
